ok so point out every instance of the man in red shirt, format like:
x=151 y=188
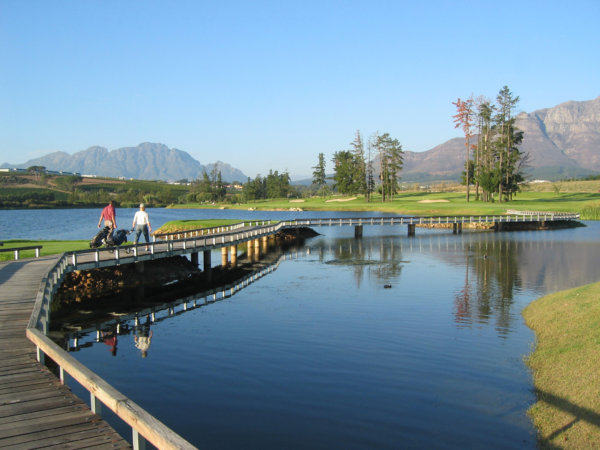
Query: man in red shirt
x=108 y=215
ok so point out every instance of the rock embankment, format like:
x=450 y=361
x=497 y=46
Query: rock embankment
x=82 y=287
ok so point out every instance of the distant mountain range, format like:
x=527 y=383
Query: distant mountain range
x=147 y=161
x=563 y=141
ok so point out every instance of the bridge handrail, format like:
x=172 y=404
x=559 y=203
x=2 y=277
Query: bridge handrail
x=18 y=250
x=210 y=230
x=143 y=425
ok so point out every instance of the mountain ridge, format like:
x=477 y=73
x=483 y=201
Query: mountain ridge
x=146 y=161
x=562 y=141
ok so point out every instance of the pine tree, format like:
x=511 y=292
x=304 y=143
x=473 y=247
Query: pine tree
x=319 y=177
x=360 y=172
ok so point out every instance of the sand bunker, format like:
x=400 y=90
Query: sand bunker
x=299 y=200
x=434 y=201
x=340 y=199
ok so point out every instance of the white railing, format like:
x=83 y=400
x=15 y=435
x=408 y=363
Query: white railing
x=144 y=426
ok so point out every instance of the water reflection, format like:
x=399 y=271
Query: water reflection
x=495 y=267
x=139 y=322
x=320 y=345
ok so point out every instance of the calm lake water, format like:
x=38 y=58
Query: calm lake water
x=319 y=354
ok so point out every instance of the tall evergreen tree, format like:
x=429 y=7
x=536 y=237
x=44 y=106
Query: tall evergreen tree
x=391 y=161
x=360 y=175
x=344 y=175
x=319 y=176
x=370 y=177
x=505 y=141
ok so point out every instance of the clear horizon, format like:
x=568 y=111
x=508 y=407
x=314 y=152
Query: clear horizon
x=270 y=85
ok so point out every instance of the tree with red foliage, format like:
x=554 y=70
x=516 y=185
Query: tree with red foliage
x=464 y=118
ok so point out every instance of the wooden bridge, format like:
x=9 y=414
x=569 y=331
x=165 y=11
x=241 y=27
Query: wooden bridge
x=31 y=412
x=255 y=234
x=36 y=409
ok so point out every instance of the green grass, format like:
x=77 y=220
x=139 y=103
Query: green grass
x=446 y=203
x=565 y=367
x=49 y=248
x=180 y=225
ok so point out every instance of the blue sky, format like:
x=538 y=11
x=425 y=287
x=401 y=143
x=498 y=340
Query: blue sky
x=271 y=84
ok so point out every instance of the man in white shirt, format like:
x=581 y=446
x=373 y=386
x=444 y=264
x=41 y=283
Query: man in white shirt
x=141 y=224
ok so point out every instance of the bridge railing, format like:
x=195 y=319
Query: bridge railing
x=211 y=230
x=144 y=426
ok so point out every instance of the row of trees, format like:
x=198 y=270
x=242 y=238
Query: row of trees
x=494 y=164
x=209 y=188
x=274 y=185
x=354 y=173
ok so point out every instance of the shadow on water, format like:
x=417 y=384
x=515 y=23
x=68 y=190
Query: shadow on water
x=73 y=336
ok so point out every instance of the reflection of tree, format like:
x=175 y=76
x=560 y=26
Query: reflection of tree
x=496 y=266
x=377 y=256
x=462 y=300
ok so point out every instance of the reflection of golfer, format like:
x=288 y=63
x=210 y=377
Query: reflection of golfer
x=110 y=339
x=142 y=338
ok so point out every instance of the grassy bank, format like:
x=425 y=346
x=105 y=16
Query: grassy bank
x=565 y=367
x=439 y=203
x=49 y=247
x=180 y=225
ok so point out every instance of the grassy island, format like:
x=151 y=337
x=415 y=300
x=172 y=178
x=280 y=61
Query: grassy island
x=565 y=367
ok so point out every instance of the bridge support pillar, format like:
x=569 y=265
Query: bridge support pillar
x=207 y=265
x=224 y=256
x=256 y=244
x=264 y=244
x=250 y=250
x=233 y=255
x=457 y=228
x=194 y=258
x=358 y=231
x=411 y=229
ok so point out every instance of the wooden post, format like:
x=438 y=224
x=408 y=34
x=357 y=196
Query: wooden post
x=265 y=244
x=233 y=255
x=257 y=249
x=224 y=256
x=411 y=229
x=194 y=258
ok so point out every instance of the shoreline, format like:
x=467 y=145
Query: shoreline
x=564 y=367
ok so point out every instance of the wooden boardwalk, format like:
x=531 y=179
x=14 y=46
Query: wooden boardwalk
x=36 y=410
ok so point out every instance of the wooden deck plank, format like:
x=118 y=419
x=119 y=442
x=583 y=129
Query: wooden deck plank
x=67 y=434
x=42 y=413
x=38 y=405
x=9 y=379
x=24 y=387
x=36 y=410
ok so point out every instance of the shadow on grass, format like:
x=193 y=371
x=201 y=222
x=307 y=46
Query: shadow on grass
x=578 y=413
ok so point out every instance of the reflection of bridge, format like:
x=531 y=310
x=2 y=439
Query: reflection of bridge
x=167 y=310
